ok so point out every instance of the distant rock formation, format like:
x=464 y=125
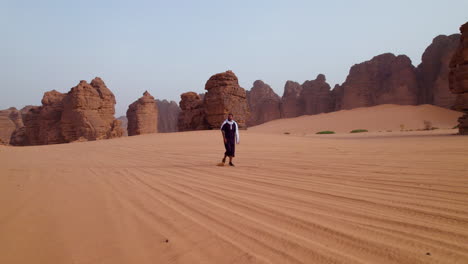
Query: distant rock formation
x=337 y=97
x=142 y=116
x=223 y=96
x=192 y=114
x=264 y=104
x=458 y=79
x=316 y=97
x=290 y=102
x=123 y=124
x=84 y=113
x=168 y=116
x=433 y=72
x=10 y=120
x=385 y=79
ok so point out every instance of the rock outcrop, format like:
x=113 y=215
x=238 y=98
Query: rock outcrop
x=290 y=102
x=264 y=104
x=337 y=97
x=192 y=114
x=316 y=97
x=142 y=116
x=10 y=120
x=458 y=79
x=168 y=116
x=86 y=112
x=223 y=96
x=385 y=79
x=434 y=69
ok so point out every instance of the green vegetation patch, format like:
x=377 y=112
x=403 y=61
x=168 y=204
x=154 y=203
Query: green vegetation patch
x=359 y=131
x=325 y=132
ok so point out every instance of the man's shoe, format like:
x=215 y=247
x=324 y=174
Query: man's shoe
x=231 y=164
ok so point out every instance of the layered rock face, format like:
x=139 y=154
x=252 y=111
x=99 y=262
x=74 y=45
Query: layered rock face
x=42 y=124
x=337 y=97
x=192 y=114
x=290 y=103
x=458 y=79
x=316 y=97
x=10 y=120
x=433 y=72
x=84 y=113
x=264 y=104
x=88 y=113
x=385 y=79
x=142 y=116
x=168 y=116
x=223 y=96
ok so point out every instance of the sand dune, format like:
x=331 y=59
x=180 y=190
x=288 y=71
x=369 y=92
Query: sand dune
x=376 y=118
x=375 y=198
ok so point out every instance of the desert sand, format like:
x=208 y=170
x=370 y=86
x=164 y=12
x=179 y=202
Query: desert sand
x=388 y=197
x=381 y=118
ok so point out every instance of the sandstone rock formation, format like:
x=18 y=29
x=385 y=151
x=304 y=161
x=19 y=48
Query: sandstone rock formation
x=290 y=102
x=433 y=72
x=89 y=113
x=10 y=120
x=168 y=116
x=385 y=79
x=84 y=113
x=264 y=104
x=123 y=124
x=316 y=97
x=223 y=96
x=337 y=97
x=458 y=79
x=192 y=114
x=142 y=116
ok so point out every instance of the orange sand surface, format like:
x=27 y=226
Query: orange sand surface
x=377 y=118
x=399 y=197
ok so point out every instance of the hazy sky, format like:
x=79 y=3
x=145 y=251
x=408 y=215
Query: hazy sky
x=170 y=47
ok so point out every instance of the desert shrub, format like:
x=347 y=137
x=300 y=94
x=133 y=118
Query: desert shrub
x=427 y=125
x=389 y=131
x=455 y=127
x=402 y=127
x=359 y=131
x=287 y=133
x=325 y=132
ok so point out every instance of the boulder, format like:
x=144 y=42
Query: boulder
x=433 y=72
x=458 y=78
x=89 y=113
x=142 y=116
x=264 y=104
x=192 y=114
x=167 y=116
x=86 y=112
x=223 y=96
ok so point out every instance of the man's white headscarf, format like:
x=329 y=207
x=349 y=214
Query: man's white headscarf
x=236 y=126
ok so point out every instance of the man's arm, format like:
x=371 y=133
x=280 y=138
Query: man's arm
x=224 y=136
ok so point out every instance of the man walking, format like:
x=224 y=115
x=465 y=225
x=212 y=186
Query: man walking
x=230 y=132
